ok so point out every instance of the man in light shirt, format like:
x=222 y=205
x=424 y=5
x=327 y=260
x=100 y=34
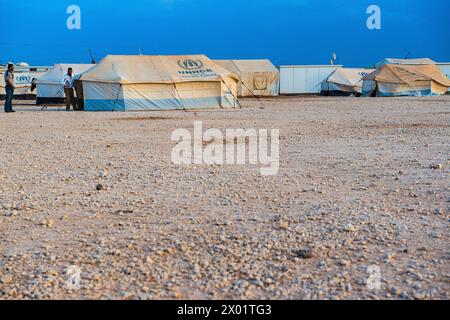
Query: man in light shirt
x=68 y=82
x=10 y=85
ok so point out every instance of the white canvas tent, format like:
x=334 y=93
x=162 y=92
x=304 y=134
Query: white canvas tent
x=406 y=80
x=256 y=77
x=345 y=81
x=50 y=88
x=120 y=83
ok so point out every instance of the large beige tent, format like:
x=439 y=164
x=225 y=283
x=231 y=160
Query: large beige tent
x=345 y=81
x=256 y=77
x=120 y=83
x=406 y=80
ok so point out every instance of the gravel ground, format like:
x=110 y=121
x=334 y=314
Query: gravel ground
x=363 y=187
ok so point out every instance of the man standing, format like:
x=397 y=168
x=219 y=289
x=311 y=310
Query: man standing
x=10 y=85
x=68 y=82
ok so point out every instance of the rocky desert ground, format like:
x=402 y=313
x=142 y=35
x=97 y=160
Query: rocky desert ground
x=91 y=206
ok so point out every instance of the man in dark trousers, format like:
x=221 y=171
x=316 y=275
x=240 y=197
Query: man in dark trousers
x=68 y=82
x=10 y=85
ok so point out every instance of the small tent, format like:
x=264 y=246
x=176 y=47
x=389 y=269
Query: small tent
x=345 y=82
x=406 y=80
x=419 y=61
x=50 y=88
x=120 y=83
x=256 y=77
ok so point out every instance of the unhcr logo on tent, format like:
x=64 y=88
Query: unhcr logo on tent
x=213 y=147
x=190 y=64
x=194 y=68
x=23 y=79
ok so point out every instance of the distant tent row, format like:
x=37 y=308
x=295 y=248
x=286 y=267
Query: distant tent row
x=120 y=83
x=405 y=77
x=336 y=80
x=256 y=77
x=392 y=77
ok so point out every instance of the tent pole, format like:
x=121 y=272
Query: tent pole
x=235 y=98
x=178 y=95
x=259 y=100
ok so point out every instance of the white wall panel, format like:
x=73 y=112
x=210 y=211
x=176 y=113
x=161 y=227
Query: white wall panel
x=303 y=79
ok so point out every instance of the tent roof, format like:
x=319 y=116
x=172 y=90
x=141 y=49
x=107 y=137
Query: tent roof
x=156 y=69
x=57 y=72
x=229 y=65
x=404 y=61
x=349 y=76
x=408 y=73
x=262 y=65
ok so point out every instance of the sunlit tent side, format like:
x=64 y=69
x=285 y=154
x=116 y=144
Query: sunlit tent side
x=256 y=77
x=406 y=80
x=50 y=89
x=345 y=82
x=120 y=83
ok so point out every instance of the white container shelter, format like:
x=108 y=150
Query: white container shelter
x=305 y=79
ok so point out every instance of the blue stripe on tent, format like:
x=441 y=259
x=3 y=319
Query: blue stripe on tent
x=104 y=105
x=415 y=93
x=146 y=105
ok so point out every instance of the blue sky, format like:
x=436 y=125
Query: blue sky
x=285 y=31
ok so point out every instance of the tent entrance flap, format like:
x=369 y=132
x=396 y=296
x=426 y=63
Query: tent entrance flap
x=199 y=95
x=260 y=83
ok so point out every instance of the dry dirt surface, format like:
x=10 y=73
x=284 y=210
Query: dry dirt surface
x=362 y=195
